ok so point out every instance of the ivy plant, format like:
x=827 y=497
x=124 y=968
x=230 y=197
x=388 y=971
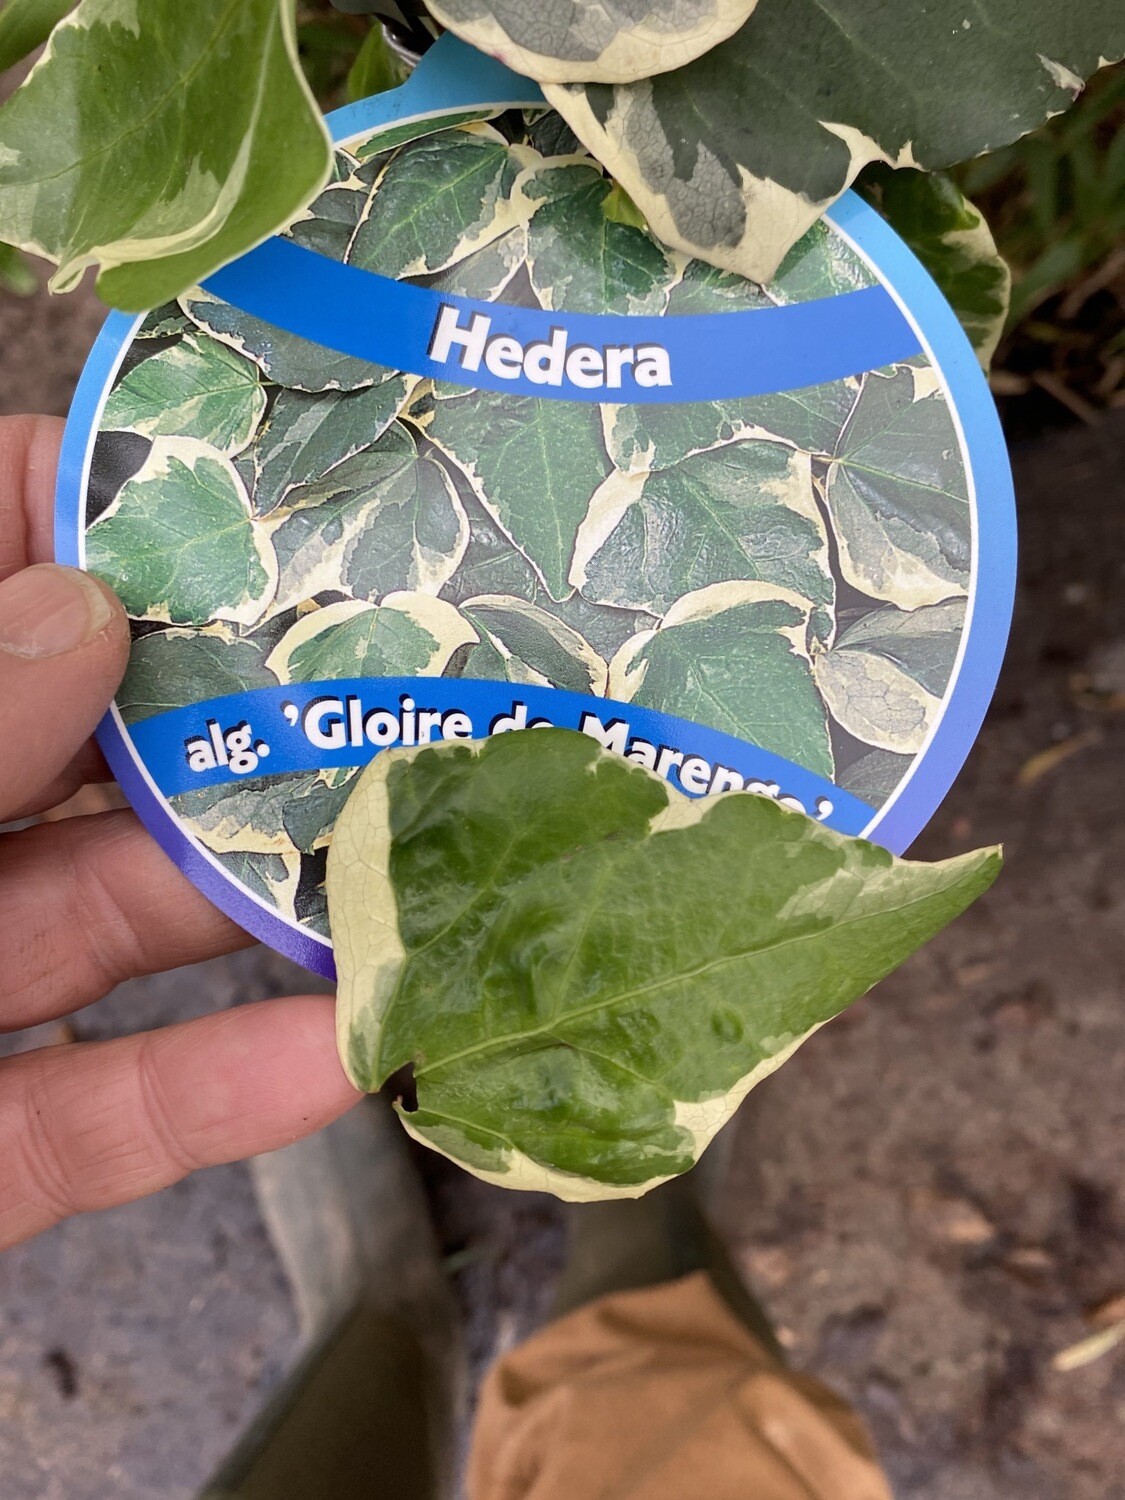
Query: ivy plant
x=730 y=124
x=586 y=969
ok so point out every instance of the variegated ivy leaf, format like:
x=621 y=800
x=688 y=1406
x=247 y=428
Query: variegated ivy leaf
x=810 y=418
x=198 y=388
x=178 y=543
x=660 y=435
x=604 y=626
x=382 y=141
x=310 y=819
x=26 y=25
x=383 y=520
x=171 y=668
x=885 y=676
x=406 y=635
x=587 y=971
x=703 y=288
x=282 y=357
x=613 y=41
x=437 y=200
x=820 y=264
x=874 y=776
x=267 y=815
x=735 y=155
x=165 y=322
x=492 y=565
x=215 y=98
x=581 y=260
x=311 y=904
x=486 y=272
x=549 y=133
x=745 y=511
x=273 y=878
x=898 y=497
x=734 y=656
x=519 y=642
x=533 y=464
x=307 y=436
x=953 y=241
x=331 y=219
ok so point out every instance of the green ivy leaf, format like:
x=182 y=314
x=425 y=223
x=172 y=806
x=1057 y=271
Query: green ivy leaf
x=307 y=436
x=197 y=388
x=282 y=357
x=885 y=676
x=533 y=464
x=820 y=264
x=549 y=134
x=614 y=40
x=733 y=656
x=703 y=288
x=492 y=564
x=406 y=635
x=178 y=543
x=376 y=69
x=437 y=200
x=332 y=218
x=214 y=97
x=521 y=642
x=739 y=512
x=661 y=435
x=167 y=321
x=16 y=274
x=271 y=877
x=383 y=520
x=486 y=272
x=733 y=156
x=580 y=259
x=380 y=142
x=588 y=971
x=874 y=776
x=266 y=815
x=898 y=498
x=953 y=241
x=171 y=668
x=25 y=25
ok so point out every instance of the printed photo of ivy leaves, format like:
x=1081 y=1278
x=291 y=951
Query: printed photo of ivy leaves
x=791 y=569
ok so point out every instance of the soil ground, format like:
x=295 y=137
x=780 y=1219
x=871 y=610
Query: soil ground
x=929 y=1197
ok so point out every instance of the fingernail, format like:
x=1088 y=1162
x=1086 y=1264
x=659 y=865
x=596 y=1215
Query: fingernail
x=47 y=610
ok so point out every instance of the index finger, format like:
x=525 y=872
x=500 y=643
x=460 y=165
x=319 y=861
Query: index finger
x=93 y=1124
x=29 y=460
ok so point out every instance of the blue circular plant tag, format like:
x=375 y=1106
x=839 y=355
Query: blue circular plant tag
x=467 y=451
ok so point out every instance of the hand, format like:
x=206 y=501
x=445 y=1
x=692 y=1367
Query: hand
x=88 y=902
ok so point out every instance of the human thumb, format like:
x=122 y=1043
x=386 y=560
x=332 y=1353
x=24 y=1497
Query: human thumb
x=64 y=643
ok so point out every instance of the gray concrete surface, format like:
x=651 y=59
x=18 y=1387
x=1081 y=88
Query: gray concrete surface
x=928 y=1197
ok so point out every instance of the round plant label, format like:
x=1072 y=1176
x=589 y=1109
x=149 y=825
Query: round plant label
x=467 y=451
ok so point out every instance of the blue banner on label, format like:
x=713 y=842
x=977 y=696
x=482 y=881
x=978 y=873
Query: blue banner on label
x=565 y=356
x=346 y=722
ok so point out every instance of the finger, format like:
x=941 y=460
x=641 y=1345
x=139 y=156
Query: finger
x=86 y=769
x=95 y=1124
x=29 y=450
x=29 y=459
x=90 y=902
x=64 y=642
